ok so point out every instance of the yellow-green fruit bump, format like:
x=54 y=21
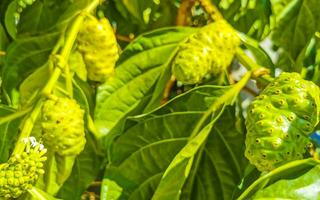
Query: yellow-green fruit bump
x=209 y=51
x=98 y=45
x=63 y=126
x=22 y=171
x=280 y=120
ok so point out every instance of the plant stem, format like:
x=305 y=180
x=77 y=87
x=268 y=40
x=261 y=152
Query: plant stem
x=170 y=84
x=68 y=78
x=247 y=62
x=60 y=64
x=211 y=9
x=183 y=11
x=14 y=115
x=27 y=127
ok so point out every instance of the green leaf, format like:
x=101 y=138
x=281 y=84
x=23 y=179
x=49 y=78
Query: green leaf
x=306 y=186
x=8 y=133
x=260 y=55
x=42 y=16
x=143 y=14
x=251 y=17
x=221 y=164
x=58 y=169
x=296 y=26
x=137 y=71
x=134 y=172
x=3 y=39
x=33 y=84
x=169 y=186
x=278 y=6
x=10 y=21
x=38 y=194
x=23 y=57
x=85 y=169
x=290 y=170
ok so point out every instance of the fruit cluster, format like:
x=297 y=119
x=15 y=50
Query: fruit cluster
x=22 y=170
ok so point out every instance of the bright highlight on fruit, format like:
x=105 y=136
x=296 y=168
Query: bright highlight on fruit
x=280 y=120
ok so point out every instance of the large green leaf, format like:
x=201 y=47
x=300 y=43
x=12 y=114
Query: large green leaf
x=291 y=170
x=170 y=187
x=221 y=164
x=23 y=57
x=295 y=27
x=137 y=71
x=8 y=133
x=135 y=171
x=42 y=16
x=306 y=186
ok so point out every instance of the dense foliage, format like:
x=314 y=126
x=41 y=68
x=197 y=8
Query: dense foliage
x=161 y=99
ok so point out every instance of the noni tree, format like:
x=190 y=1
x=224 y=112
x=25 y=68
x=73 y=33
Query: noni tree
x=161 y=99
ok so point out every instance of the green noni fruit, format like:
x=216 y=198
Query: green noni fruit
x=63 y=126
x=22 y=171
x=280 y=120
x=98 y=45
x=208 y=51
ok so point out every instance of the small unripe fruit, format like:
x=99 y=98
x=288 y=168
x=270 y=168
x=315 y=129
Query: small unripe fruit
x=208 y=51
x=63 y=126
x=98 y=45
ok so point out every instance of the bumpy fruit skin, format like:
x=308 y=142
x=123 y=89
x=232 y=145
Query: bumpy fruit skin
x=279 y=121
x=22 y=171
x=98 y=45
x=63 y=126
x=209 y=51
